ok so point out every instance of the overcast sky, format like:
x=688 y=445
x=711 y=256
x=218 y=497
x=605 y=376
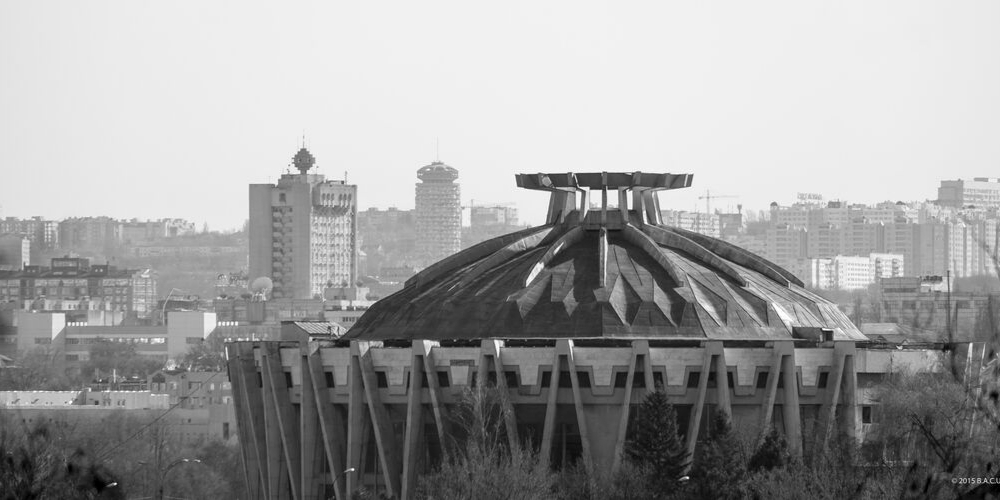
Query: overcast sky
x=170 y=109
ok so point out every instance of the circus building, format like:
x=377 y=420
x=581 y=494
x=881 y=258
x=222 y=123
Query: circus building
x=577 y=320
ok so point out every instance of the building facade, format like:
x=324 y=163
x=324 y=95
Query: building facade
x=43 y=234
x=15 y=252
x=575 y=322
x=303 y=232
x=492 y=215
x=135 y=231
x=72 y=284
x=90 y=234
x=71 y=340
x=849 y=272
x=438 y=213
x=979 y=191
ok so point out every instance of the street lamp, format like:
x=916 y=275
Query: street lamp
x=163 y=477
x=335 y=486
x=163 y=310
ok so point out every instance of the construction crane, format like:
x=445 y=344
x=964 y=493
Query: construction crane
x=709 y=197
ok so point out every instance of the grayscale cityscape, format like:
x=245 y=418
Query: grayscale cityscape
x=357 y=252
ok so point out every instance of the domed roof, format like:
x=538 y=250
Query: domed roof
x=603 y=273
x=437 y=172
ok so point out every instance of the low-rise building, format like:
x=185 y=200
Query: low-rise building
x=72 y=340
x=72 y=284
x=43 y=234
x=15 y=252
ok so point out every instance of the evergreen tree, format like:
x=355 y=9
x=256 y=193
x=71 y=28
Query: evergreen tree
x=656 y=445
x=718 y=467
x=772 y=453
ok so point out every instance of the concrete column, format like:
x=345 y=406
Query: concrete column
x=385 y=439
x=626 y=406
x=790 y=405
x=770 y=394
x=277 y=478
x=311 y=442
x=357 y=432
x=492 y=351
x=440 y=412
x=581 y=417
x=828 y=413
x=550 y=410
x=414 y=425
x=245 y=421
x=694 y=423
x=287 y=424
x=331 y=423
x=851 y=416
x=722 y=382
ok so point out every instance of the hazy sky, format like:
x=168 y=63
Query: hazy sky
x=170 y=109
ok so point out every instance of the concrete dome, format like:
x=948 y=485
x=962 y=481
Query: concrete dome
x=608 y=272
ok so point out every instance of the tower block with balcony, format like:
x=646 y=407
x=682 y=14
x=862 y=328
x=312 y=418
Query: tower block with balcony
x=303 y=231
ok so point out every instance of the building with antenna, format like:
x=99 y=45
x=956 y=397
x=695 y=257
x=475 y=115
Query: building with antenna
x=303 y=231
x=438 y=213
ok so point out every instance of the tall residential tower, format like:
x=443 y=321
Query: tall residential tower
x=303 y=232
x=439 y=213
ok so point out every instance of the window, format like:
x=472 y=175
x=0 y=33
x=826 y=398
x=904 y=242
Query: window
x=821 y=383
x=693 y=379
x=762 y=380
x=866 y=414
x=510 y=377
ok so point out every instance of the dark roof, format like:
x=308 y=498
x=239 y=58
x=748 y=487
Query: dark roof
x=589 y=277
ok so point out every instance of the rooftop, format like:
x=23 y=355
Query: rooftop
x=610 y=272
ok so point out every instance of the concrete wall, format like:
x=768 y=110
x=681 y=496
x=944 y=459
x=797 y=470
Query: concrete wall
x=40 y=330
x=570 y=401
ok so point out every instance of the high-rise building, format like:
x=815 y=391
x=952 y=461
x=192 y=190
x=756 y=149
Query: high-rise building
x=439 y=213
x=303 y=232
x=980 y=191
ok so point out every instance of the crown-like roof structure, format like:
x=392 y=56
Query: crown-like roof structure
x=437 y=172
x=610 y=272
x=303 y=160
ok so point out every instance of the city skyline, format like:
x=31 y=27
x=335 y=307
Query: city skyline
x=853 y=100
